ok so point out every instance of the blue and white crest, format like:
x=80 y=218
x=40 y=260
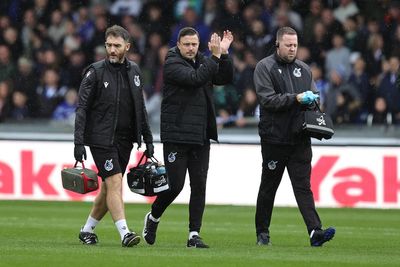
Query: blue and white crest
x=136 y=79
x=172 y=156
x=108 y=166
x=272 y=165
x=297 y=72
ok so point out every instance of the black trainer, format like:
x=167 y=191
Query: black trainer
x=319 y=237
x=196 y=242
x=88 y=238
x=130 y=239
x=263 y=239
x=149 y=230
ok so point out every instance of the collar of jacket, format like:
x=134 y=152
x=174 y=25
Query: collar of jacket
x=281 y=61
x=113 y=69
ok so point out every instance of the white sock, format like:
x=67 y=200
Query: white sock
x=193 y=233
x=90 y=225
x=122 y=228
x=154 y=219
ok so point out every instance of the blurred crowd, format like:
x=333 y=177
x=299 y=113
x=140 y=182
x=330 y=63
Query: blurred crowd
x=353 y=48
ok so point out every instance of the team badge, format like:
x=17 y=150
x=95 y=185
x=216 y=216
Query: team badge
x=105 y=84
x=172 y=156
x=136 y=80
x=297 y=72
x=272 y=165
x=108 y=166
x=321 y=120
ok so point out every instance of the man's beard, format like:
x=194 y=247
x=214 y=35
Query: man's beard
x=116 y=59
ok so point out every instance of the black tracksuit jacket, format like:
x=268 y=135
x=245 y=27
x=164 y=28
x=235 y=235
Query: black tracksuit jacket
x=98 y=106
x=277 y=84
x=187 y=109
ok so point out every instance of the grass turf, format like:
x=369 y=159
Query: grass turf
x=34 y=233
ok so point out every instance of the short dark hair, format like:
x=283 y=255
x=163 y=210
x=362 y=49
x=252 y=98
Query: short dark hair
x=284 y=30
x=187 y=31
x=118 y=31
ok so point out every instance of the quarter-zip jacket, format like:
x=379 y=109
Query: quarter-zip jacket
x=98 y=107
x=277 y=84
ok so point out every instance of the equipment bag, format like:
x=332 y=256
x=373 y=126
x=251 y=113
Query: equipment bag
x=317 y=124
x=79 y=179
x=148 y=179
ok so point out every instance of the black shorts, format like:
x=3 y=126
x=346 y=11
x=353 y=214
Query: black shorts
x=112 y=160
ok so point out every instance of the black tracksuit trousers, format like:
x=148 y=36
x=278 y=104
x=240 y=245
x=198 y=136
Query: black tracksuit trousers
x=297 y=160
x=178 y=158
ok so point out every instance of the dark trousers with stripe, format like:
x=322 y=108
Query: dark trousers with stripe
x=180 y=158
x=297 y=160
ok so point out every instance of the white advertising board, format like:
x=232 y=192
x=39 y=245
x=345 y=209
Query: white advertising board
x=341 y=176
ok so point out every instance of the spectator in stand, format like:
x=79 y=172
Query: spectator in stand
x=351 y=34
x=154 y=42
x=250 y=14
x=138 y=36
x=65 y=111
x=375 y=55
x=71 y=41
x=4 y=100
x=154 y=20
x=321 y=84
x=380 y=114
x=244 y=71
x=42 y=11
x=84 y=25
x=12 y=41
x=248 y=112
x=258 y=39
x=293 y=18
x=26 y=81
x=230 y=17
x=66 y=9
x=319 y=44
x=19 y=106
x=7 y=67
x=332 y=25
x=190 y=19
x=72 y=73
x=389 y=91
x=210 y=12
x=99 y=29
x=50 y=93
x=338 y=56
x=360 y=80
x=342 y=100
x=153 y=92
x=395 y=44
x=56 y=29
x=314 y=16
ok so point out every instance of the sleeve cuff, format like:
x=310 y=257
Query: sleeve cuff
x=217 y=60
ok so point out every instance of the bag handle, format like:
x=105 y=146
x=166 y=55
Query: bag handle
x=153 y=159
x=316 y=104
x=76 y=163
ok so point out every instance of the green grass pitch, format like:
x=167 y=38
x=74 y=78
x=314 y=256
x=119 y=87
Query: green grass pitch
x=35 y=233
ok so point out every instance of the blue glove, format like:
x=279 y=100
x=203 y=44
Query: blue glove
x=308 y=97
